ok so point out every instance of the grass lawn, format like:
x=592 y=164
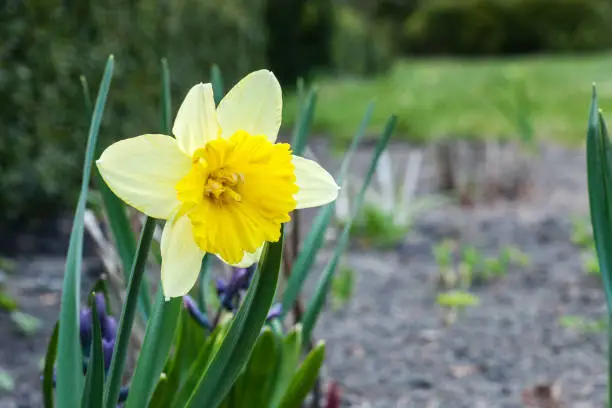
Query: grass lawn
x=464 y=98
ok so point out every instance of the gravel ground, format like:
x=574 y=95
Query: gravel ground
x=389 y=347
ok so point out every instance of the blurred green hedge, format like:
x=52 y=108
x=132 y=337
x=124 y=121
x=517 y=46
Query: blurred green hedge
x=47 y=44
x=485 y=27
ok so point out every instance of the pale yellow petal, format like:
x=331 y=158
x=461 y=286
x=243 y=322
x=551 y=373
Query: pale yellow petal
x=181 y=258
x=247 y=260
x=316 y=185
x=196 y=120
x=255 y=105
x=143 y=171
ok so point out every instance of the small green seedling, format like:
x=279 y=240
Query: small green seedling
x=342 y=287
x=455 y=301
x=7 y=382
x=582 y=232
x=443 y=254
x=26 y=323
x=581 y=324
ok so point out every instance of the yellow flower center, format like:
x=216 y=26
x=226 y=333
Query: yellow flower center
x=238 y=193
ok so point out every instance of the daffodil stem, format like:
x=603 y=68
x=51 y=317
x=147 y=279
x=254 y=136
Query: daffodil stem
x=113 y=385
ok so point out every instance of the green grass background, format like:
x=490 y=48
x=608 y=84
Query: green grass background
x=465 y=98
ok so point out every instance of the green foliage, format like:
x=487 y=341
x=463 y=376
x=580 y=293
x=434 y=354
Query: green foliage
x=464 y=266
x=299 y=33
x=26 y=323
x=246 y=357
x=457 y=299
x=7 y=382
x=50 y=44
x=360 y=45
x=342 y=287
x=480 y=27
x=599 y=182
x=582 y=324
x=582 y=233
x=376 y=227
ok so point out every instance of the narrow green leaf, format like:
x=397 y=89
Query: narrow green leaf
x=304 y=379
x=599 y=180
x=94 y=382
x=316 y=303
x=302 y=127
x=155 y=350
x=217 y=83
x=166 y=107
x=119 y=223
x=113 y=383
x=204 y=283
x=259 y=374
x=290 y=357
x=69 y=357
x=314 y=240
x=48 y=369
x=242 y=335
x=195 y=367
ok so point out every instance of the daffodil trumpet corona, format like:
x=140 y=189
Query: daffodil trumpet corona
x=222 y=183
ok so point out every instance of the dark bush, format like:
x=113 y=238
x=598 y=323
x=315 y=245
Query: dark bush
x=477 y=27
x=299 y=37
x=360 y=46
x=46 y=45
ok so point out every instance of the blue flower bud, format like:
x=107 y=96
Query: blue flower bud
x=109 y=328
x=107 y=351
x=100 y=305
x=195 y=312
x=221 y=286
x=275 y=311
x=85 y=329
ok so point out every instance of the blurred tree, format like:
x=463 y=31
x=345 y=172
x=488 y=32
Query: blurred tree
x=299 y=37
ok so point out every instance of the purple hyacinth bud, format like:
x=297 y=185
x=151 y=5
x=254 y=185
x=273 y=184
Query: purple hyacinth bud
x=221 y=286
x=275 y=311
x=107 y=351
x=241 y=279
x=109 y=328
x=195 y=312
x=100 y=305
x=85 y=328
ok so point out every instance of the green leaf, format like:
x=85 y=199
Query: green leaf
x=290 y=357
x=237 y=345
x=94 y=382
x=7 y=382
x=113 y=383
x=304 y=379
x=316 y=303
x=342 y=286
x=599 y=177
x=119 y=223
x=314 y=240
x=204 y=283
x=7 y=302
x=69 y=358
x=166 y=107
x=189 y=343
x=27 y=324
x=155 y=350
x=195 y=367
x=302 y=126
x=217 y=83
x=48 y=369
x=259 y=374
x=457 y=298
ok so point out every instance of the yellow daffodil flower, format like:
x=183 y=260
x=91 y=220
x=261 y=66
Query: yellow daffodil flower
x=222 y=183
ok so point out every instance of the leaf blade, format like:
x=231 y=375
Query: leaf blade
x=69 y=356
